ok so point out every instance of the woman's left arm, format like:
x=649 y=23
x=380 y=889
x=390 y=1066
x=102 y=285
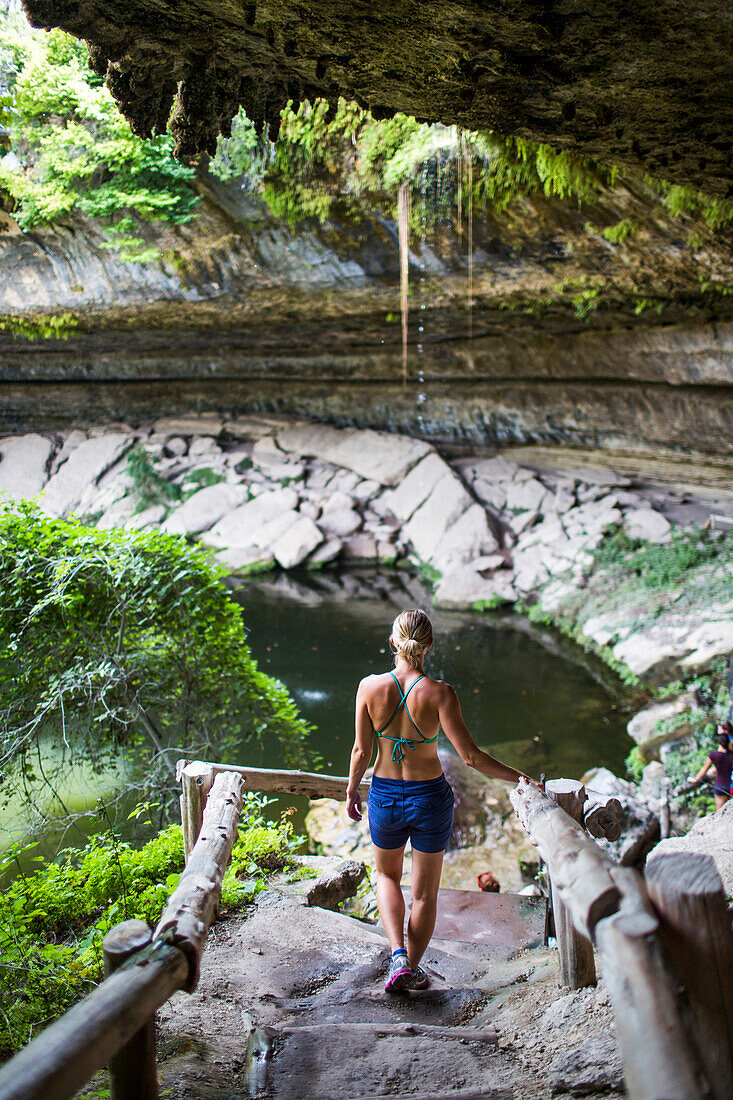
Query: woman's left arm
x=361 y=754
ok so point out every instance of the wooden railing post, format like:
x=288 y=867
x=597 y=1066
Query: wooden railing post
x=575 y=951
x=132 y=1071
x=196 y=782
x=687 y=892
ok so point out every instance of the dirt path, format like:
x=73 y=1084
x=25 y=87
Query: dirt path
x=312 y=981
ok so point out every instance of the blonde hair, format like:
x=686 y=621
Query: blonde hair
x=412 y=636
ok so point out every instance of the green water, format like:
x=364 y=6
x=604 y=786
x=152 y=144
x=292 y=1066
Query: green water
x=528 y=698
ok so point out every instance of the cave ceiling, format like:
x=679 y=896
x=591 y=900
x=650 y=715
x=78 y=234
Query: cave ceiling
x=644 y=85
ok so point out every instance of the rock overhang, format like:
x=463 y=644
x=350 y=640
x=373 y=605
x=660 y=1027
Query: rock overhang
x=645 y=86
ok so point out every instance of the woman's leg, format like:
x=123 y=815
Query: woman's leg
x=720 y=800
x=426 y=870
x=389 y=893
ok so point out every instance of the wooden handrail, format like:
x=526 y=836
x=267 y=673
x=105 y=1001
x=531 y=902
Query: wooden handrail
x=64 y=1056
x=664 y=1057
x=197 y=777
x=56 y=1064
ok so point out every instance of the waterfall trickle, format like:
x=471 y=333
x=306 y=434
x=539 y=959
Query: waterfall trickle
x=403 y=221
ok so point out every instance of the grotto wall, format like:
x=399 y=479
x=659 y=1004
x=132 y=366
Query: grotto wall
x=644 y=85
x=242 y=313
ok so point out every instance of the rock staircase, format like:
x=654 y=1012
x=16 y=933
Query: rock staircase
x=291 y=1005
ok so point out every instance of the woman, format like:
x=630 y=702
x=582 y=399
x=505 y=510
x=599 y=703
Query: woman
x=409 y=796
x=722 y=761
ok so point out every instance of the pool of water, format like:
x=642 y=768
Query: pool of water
x=527 y=697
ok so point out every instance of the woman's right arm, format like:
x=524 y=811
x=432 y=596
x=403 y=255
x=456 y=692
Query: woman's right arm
x=703 y=771
x=451 y=719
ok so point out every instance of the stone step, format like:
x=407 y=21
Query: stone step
x=502 y=924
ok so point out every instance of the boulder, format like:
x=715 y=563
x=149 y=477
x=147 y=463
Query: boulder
x=366 y=490
x=177 y=446
x=360 y=547
x=712 y=639
x=526 y=495
x=491 y=493
x=245 y=559
x=205 y=508
x=335 y=886
x=84 y=466
x=71 y=442
x=640 y=828
x=651 y=654
x=445 y=504
x=468 y=538
x=337 y=502
x=326 y=552
x=238 y=528
x=406 y=498
x=203 y=445
x=647 y=524
x=591 y=1068
x=117 y=514
x=376 y=456
x=294 y=546
x=530 y=567
x=23 y=465
x=495 y=469
x=644 y=726
x=464 y=587
x=147 y=519
x=711 y=836
x=341 y=523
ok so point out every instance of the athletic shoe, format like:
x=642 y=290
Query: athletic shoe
x=399 y=973
x=418 y=979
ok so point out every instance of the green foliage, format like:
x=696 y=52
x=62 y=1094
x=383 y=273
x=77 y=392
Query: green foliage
x=635 y=764
x=77 y=152
x=151 y=487
x=619 y=232
x=349 y=158
x=240 y=156
x=50 y=326
x=112 y=640
x=681 y=200
x=53 y=919
x=663 y=565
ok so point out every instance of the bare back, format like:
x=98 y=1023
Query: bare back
x=381 y=697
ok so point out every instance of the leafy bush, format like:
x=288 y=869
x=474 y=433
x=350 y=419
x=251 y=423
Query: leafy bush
x=53 y=920
x=662 y=565
x=76 y=151
x=115 y=642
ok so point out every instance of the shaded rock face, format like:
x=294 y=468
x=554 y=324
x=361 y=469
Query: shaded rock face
x=244 y=314
x=632 y=86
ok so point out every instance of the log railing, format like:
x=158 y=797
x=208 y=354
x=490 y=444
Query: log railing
x=115 y=1024
x=665 y=946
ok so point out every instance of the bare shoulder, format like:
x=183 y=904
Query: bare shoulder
x=370 y=683
x=441 y=691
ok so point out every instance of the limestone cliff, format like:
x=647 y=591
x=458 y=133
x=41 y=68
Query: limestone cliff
x=564 y=337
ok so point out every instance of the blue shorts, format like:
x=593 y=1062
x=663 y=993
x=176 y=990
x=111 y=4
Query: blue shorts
x=419 y=811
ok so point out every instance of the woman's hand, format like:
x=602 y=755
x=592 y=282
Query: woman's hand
x=353 y=805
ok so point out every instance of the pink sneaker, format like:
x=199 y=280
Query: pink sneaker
x=399 y=972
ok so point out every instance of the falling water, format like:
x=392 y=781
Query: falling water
x=470 y=245
x=403 y=220
x=459 y=186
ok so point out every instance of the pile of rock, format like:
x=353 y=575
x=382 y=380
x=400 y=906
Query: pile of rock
x=275 y=493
